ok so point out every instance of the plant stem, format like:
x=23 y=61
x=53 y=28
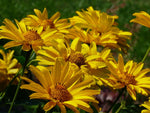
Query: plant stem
x=120 y=94
x=2 y=94
x=148 y=50
x=17 y=90
x=121 y=106
x=28 y=55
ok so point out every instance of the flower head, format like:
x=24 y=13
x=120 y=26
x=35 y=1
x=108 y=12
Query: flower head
x=23 y=35
x=61 y=87
x=9 y=67
x=142 y=18
x=81 y=55
x=112 y=39
x=94 y=19
x=100 y=28
x=129 y=75
x=41 y=20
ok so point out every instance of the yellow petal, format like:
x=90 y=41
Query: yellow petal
x=80 y=86
x=57 y=71
x=145 y=111
x=47 y=75
x=55 y=17
x=72 y=80
x=76 y=45
x=13 y=71
x=146 y=105
x=40 y=76
x=49 y=105
x=34 y=87
x=96 y=64
x=12 y=63
x=87 y=109
x=93 y=48
x=12 y=44
x=84 y=49
x=65 y=72
x=45 y=14
x=142 y=73
x=72 y=107
x=71 y=102
x=138 y=68
x=62 y=107
x=131 y=92
x=120 y=63
x=40 y=96
x=104 y=54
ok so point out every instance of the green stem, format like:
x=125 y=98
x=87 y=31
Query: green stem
x=121 y=106
x=17 y=90
x=148 y=50
x=2 y=94
x=120 y=94
x=28 y=55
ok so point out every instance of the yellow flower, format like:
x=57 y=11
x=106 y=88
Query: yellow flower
x=94 y=19
x=22 y=35
x=9 y=67
x=129 y=75
x=81 y=55
x=61 y=87
x=41 y=20
x=147 y=106
x=112 y=39
x=142 y=18
x=99 y=27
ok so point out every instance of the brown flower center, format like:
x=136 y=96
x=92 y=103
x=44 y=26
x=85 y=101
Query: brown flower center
x=128 y=79
x=31 y=36
x=46 y=23
x=60 y=93
x=77 y=58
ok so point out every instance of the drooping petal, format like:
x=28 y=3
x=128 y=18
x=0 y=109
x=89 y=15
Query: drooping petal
x=62 y=107
x=49 y=105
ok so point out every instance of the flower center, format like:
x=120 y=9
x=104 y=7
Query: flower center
x=77 y=58
x=59 y=92
x=31 y=36
x=128 y=79
x=46 y=23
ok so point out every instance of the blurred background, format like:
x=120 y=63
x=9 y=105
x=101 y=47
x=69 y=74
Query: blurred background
x=140 y=41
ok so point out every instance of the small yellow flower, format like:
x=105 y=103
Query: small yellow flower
x=61 y=87
x=129 y=75
x=142 y=18
x=41 y=20
x=100 y=28
x=23 y=35
x=9 y=67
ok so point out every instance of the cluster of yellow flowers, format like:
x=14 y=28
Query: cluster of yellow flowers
x=74 y=56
